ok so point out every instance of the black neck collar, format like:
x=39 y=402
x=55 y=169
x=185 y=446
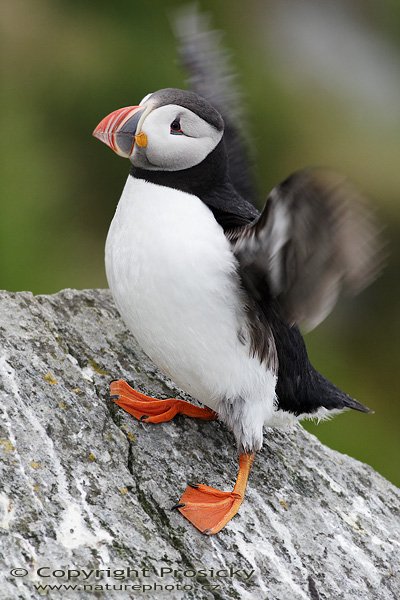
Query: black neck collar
x=210 y=173
x=210 y=182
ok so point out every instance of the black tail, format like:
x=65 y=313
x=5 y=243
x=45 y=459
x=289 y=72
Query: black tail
x=301 y=389
x=331 y=397
x=351 y=403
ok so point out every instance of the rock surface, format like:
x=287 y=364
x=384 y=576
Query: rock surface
x=85 y=487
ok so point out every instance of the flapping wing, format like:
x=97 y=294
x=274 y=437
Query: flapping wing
x=314 y=239
x=211 y=75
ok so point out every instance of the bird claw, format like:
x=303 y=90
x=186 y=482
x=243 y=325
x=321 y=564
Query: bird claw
x=179 y=505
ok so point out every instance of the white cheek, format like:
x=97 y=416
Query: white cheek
x=171 y=152
x=176 y=152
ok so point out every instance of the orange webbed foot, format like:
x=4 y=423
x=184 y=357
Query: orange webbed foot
x=151 y=410
x=209 y=509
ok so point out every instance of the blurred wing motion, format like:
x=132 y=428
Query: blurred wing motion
x=212 y=77
x=314 y=239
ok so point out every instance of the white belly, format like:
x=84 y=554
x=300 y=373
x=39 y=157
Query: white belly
x=173 y=278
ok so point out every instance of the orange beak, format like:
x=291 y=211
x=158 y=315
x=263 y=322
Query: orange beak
x=118 y=130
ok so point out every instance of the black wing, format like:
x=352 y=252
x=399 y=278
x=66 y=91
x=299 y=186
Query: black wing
x=211 y=76
x=314 y=239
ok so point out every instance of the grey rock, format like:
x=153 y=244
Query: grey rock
x=84 y=486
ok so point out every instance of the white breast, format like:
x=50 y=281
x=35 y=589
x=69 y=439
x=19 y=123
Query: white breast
x=173 y=277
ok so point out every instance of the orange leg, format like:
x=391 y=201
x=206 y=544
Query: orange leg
x=209 y=509
x=150 y=410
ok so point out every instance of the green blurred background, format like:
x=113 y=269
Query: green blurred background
x=321 y=86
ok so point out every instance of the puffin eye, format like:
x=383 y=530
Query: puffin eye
x=176 y=127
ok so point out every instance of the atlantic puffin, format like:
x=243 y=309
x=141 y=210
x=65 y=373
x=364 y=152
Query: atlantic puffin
x=214 y=291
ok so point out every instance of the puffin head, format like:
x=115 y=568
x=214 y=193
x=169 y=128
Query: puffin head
x=170 y=130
